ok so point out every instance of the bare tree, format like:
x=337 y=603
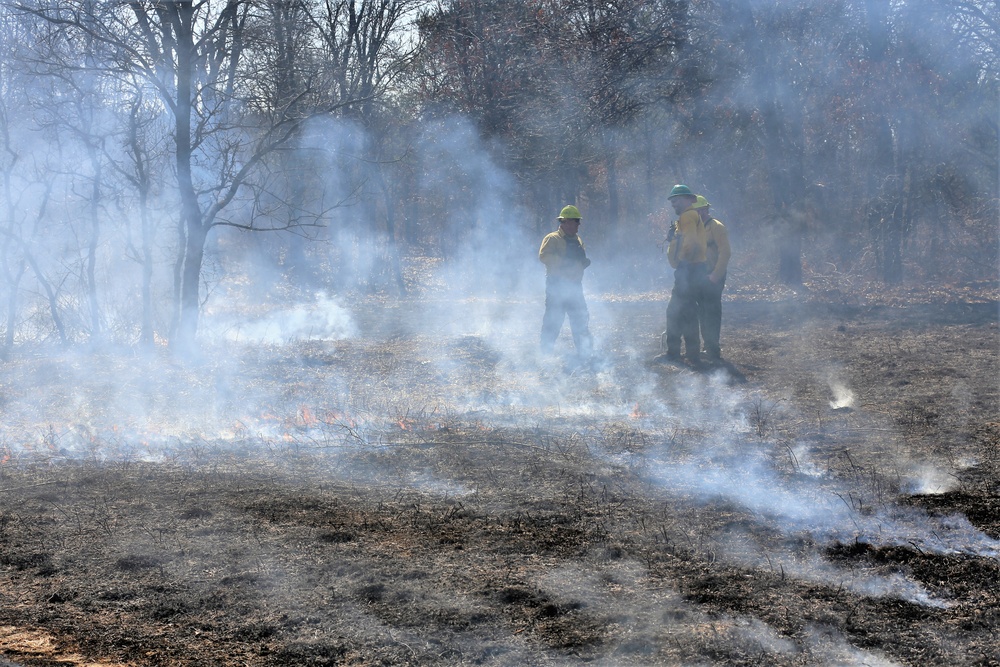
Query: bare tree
x=189 y=54
x=26 y=189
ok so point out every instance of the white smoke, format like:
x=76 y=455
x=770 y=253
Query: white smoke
x=828 y=647
x=322 y=319
x=843 y=397
x=926 y=479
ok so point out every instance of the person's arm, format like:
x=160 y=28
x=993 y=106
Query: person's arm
x=675 y=243
x=550 y=253
x=725 y=252
x=586 y=260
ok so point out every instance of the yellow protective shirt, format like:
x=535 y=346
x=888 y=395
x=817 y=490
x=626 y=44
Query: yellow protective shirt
x=718 y=250
x=561 y=258
x=689 y=243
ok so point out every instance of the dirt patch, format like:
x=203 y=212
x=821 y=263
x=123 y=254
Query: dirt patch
x=828 y=495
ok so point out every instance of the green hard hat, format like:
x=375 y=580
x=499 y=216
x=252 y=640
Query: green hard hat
x=680 y=191
x=570 y=213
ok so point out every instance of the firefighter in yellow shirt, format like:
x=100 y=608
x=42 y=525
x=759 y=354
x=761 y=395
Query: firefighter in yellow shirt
x=565 y=259
x=718 y=253
x=686 y=253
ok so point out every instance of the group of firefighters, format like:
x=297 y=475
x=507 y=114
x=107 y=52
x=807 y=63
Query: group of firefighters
x=698 y=251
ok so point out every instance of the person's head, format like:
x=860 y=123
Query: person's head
x=681 y=198
x=569 y=219
x=701 y=205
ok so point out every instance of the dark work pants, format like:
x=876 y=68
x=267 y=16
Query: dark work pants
x=565 y=298
x=710 y=316
x=682 y=311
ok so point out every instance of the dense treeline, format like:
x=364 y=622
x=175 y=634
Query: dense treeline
x=141 y=142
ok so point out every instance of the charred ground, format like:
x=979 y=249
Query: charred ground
x=425 y=500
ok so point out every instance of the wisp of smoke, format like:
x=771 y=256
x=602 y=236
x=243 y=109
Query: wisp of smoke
x=926 y=479
x=843 y=397
x=323 y=319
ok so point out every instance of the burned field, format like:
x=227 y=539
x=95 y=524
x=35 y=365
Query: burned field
x=828 y=496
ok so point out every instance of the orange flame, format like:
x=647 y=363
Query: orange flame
x=307 y=417
x=333 y=417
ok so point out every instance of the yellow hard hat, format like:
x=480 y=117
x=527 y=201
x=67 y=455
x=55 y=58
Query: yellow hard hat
x=700 y=202
x=570 y=213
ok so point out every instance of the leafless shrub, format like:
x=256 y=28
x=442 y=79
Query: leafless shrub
x=762 y=416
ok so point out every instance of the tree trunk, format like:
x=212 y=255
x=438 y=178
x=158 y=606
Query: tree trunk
x=95 y=235
x=146 y=331
x=190 y=303
x=13 y=278
x=193 y=248
x=13 y=284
